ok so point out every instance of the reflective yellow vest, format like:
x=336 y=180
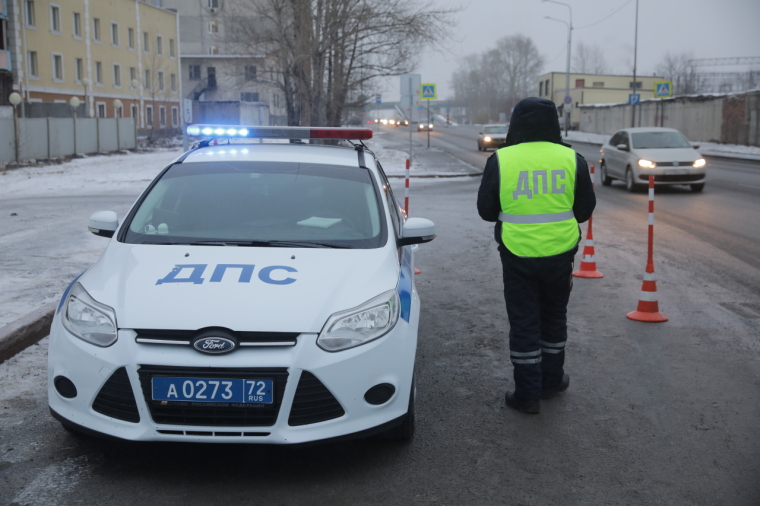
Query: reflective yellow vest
x=537 y=194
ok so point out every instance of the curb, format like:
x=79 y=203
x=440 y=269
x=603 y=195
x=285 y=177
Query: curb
x=25 y=331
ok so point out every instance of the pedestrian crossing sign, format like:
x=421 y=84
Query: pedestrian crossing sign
x=663 y=89
x=429 y=92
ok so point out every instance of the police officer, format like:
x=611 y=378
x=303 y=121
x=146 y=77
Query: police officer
x=537 y=190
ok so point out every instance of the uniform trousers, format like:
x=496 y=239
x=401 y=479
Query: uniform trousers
x=536 y=291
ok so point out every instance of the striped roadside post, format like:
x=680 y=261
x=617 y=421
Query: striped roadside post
x=588 y=261
x=648 y=309
x=406 y=187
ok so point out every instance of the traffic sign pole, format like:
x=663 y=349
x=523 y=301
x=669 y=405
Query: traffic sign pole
x=428 y=125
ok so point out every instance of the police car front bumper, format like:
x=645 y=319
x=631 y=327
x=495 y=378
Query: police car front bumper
x=112 y=399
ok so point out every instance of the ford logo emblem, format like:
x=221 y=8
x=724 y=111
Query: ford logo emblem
x=214 y=345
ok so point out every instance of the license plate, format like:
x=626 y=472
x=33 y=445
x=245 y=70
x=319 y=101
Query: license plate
x=676 y=172
x=242 y=391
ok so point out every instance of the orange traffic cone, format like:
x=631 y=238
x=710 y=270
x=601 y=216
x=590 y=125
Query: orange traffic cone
x=588 y=262
x=648 y=309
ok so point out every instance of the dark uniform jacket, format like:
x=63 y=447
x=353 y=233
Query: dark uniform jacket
x=533 y=120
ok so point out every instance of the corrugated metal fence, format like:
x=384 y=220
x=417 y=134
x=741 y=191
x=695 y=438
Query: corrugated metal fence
x=47 y=138
x=731 y=119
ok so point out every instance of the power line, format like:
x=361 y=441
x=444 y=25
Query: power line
x=737 y=60
x=604 y=18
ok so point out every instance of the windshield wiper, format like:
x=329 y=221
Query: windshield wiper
x=294 y=244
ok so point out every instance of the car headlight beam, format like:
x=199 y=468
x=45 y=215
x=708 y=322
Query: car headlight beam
x=647 y=164
x=362 y=324
x=88 y=319
x=699 y=163
x=487 y=139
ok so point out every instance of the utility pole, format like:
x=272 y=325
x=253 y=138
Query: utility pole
x=635 y=51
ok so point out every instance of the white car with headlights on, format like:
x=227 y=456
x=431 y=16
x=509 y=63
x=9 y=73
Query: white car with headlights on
x=257 y=293
x=633 y=154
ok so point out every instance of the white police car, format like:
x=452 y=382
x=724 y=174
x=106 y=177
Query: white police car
x=258 y=293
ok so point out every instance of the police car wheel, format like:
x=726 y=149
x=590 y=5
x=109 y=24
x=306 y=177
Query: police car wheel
x=630 y=185
x=405 y=431
x=480 y=148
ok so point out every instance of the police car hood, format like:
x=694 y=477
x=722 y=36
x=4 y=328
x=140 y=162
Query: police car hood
x=240 y=288
x=668 y=154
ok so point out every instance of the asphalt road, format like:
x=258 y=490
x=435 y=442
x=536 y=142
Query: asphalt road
x=655 y=414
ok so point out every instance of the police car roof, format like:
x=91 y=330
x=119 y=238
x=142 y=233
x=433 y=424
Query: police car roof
x=278 y=152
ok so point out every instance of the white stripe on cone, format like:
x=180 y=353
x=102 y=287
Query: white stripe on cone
x=648 y=296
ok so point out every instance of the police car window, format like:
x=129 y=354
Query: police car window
x=615 y=140
x=623 y=138
x=255 y=202
x=495 y=129
x=393 y=204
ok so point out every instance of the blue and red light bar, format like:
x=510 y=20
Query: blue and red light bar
x=261 y=132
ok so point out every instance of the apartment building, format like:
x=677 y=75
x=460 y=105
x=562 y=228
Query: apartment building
x=99 y=51
x=592 y=89
x=224 y=81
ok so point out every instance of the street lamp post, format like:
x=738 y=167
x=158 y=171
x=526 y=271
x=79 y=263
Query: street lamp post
x=635 y=51
x=74 y=103
x=567 y=106
x=117 y=104
x=15 y=99
x=86 y=83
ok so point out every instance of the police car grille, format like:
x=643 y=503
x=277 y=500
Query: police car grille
x=669 y=178
x=116 y=399
x=210 y=415
x=184 y=337
x=313 y=402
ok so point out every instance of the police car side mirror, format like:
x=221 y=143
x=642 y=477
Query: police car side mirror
x=622 y=147
x=695 y=146
x=103 y=223
x=416 y=231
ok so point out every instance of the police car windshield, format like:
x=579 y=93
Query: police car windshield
x=278 y=204
x=659 y=140
x=495 y=129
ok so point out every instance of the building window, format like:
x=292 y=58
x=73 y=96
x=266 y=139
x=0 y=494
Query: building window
x=146 y=42
x=29 y=11
x=131 y=38
x=546 y=89
x=101 y=109
x=132 y=76
x=55 y=18
x=99 y=72
x=248 y=96
x=213 y=4
x=580 y=83
x=133 y=110
x=159 y=45
x=160 y=80
x=636 y=85
x=77 y=25
x=114 y=34
x=80 y=69
x=57 y=67
x=96 y=29
x=175 y=117
x=117 y=75
x=213 y=27
x=250 y=72
x=541 y=89
x=213 y=50
x=149 y=116
x=171 y=48
x=173 y=80
x=162 y=116
x=598 y=84
x=32 y=64
x=195 y=72
x=147 y=79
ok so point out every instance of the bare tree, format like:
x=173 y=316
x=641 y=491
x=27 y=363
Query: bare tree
x=677 y=68
x=589 y=59
x=328 y=51
x=495 y=80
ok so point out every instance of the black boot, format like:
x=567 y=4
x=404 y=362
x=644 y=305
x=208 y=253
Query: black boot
x=529 y=407
x=548 y=393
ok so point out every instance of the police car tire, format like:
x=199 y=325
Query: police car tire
x=405 y=431
x=630 y=185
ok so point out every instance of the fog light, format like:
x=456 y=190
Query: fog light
x=379 y=394
x=65 y=387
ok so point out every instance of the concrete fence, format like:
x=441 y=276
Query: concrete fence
x=48 y=138
x=730 y=119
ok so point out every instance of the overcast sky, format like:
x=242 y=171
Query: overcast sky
x=707 y=28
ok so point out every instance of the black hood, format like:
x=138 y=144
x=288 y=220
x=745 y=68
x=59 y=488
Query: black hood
x=534 y=120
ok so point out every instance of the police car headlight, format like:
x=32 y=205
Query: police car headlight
x=360 y=325
x=88 y=319
x=487 y=138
